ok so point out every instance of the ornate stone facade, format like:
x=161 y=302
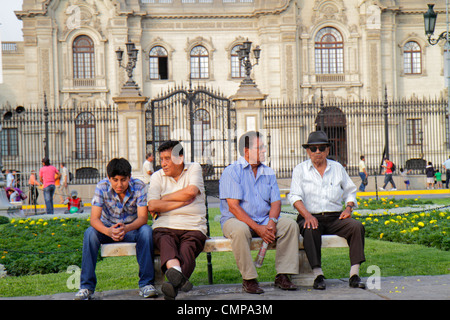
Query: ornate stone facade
x=372 y=35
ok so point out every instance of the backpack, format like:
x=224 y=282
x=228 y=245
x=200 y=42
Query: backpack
x=393 y=167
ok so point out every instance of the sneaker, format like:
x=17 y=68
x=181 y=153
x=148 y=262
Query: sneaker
x=84 y=294
x=381 y=188
x=148 y=291
x=394 y=189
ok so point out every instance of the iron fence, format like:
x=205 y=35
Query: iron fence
x=417 y=133
x=85 y=138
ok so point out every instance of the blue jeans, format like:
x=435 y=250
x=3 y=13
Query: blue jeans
x=362 y=187
x=49 y=191
x=143 y=237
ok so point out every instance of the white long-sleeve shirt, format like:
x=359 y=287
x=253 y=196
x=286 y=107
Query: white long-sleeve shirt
x=322 y=194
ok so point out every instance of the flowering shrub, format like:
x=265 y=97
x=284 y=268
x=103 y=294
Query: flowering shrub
x=386 y=203
x=30 y=246
x=430 y=228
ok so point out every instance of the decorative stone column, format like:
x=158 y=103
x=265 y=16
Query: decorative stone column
x=249 y=108
x=131 y=108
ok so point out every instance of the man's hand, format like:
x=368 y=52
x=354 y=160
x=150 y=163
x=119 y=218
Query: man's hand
x=267 y=232
x=117 y=232
x=347 y=213
x=310 y=222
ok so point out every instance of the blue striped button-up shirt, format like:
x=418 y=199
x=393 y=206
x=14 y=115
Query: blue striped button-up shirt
x=115 y=211
x=255 y=193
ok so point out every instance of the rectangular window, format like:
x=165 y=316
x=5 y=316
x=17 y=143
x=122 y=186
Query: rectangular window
x=10 y=143
x=414 y=131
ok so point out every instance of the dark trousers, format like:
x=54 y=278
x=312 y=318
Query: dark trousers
x=447 y=178
x=183 y=245
x=329 y=223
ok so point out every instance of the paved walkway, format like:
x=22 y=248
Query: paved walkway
x=389 y=288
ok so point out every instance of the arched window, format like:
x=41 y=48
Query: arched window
x=199 y=63
x=159 y=63
x=329 y=51
x=237 y=69
x=412 y=58
x=83 y=58
x=85 y=136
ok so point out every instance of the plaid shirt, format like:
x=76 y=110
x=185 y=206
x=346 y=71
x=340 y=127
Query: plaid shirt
x=115 y=211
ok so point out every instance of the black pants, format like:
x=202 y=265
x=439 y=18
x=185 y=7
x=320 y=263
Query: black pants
x=329 y=223
x=447 y=178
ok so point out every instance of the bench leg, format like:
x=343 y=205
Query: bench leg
x=159 y=276
x=305 y=277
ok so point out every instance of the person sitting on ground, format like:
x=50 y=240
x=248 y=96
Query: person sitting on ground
x=176 y=200
x=118 y=214
x=74 y=204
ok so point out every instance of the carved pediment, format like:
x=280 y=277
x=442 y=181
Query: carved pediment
x=79 y=14
x=326 y=10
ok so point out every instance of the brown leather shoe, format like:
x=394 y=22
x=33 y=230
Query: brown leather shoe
x=282 y=281
x=251 y=286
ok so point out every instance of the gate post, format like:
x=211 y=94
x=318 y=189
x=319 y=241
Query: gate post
x=248 y=102
x=131 y=114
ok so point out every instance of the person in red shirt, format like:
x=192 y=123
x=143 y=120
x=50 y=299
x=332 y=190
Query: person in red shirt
x=47 y=175
x=74 y=204
x=388 y=174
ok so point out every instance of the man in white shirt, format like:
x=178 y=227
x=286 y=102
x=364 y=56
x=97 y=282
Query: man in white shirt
x=318 y=188
x=63 y=182
x=176 y=200
x=363 y=173
x=147 y=167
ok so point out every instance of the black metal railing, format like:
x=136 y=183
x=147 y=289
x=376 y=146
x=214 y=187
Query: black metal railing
x=85 y=138
x=417 y=133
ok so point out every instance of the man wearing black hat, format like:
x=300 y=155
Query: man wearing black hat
x=318 y=188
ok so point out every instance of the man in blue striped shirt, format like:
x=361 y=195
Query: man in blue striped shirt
x=250 y=205
x=119 y=213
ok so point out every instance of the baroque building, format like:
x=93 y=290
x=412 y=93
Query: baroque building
x=351 y=49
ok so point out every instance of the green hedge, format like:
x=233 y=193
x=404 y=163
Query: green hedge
x=30 y=246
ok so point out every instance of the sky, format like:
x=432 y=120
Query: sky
x=11 y=27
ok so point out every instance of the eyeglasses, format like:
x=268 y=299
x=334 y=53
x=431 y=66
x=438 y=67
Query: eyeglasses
x=321 y=148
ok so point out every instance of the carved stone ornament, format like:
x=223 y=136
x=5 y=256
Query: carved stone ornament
x=325 y=10
x=79 y=14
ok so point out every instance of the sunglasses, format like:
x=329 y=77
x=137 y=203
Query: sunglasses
x=321 y=148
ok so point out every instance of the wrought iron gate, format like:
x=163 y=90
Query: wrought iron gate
x=205 y=124
x=202 y=120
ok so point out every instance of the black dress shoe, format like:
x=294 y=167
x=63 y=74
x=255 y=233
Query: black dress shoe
x=355 y=282
x=319 y=283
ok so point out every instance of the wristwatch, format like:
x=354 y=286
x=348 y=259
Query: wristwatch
x=350 y=206
x=274 y=220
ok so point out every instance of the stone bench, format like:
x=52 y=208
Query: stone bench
x=222 y=244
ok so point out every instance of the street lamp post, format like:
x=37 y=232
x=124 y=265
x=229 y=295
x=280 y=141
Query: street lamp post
x=132 y=52
x=244 y=57
x=430 y=18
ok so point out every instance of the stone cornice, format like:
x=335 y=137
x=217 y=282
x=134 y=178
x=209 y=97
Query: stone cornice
x=121 y=11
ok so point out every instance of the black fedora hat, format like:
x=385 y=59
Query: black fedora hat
x=316 y=138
